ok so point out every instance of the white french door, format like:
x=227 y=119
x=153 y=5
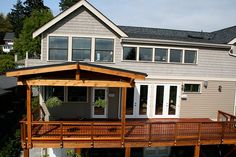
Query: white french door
x=137 y=104
x=99 y=94
x=166 y=101
x=153 y=101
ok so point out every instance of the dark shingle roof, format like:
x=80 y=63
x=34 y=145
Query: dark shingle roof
x=218 y=37
x=9 y=36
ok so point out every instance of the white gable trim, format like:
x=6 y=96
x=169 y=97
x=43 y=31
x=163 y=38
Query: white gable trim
x=232 y=41
x=72 y=9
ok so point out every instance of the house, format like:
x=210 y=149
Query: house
x=155 y=87
x=9 y=41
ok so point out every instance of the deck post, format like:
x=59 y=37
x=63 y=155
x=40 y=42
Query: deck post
x=26 y=152
x=197 y=151
x=127 y=151
x=123 y=113
x=29 y=115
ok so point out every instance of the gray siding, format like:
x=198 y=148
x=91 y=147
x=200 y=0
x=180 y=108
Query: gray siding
x=207 y=103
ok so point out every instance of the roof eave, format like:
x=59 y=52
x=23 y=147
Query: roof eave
x=174 y=42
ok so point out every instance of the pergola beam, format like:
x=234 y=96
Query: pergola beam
x=79 y=83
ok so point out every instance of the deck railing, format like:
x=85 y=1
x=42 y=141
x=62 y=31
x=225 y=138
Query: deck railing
x=223 y=116
x=135 y=131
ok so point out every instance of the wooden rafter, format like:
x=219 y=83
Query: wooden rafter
x=87 y=83
x=77 y=67
x=41 y=70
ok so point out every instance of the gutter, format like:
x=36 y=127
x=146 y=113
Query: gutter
x=231 y=51
x=174 y=42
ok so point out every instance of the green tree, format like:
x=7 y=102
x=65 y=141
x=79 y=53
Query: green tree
x=5 y=25
x=31 y=5
x=6 y=62
x=65 y=4
x=16 y=17
x=25 y=42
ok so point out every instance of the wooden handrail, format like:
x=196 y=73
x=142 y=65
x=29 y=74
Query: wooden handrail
x=227 y=116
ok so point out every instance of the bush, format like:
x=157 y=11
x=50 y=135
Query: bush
x=12 y=146
x=53 y=102
x=6 y=62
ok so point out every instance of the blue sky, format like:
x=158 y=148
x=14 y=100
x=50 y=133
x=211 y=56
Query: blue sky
x=198 y=15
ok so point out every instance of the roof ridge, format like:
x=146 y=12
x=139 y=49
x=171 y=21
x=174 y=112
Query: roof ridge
x=224 y=29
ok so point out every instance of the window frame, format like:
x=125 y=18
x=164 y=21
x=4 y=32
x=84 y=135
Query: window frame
x=91 y=42
x=153 y=54
x=48 y=46
x=94 y=50
x=136 y=55
x=192 y=83
x=69 y=52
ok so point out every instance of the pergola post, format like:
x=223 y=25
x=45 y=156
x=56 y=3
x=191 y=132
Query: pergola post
x=123 y=113
x=127 y=151
x=29 y=115
x=197 y=151
x=26 y=152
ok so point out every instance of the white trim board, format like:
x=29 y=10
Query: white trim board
x=189 y=78
x=232 y=41
x=87 y=5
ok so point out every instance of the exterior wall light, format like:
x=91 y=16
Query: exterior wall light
x=220 y=88
x=205 y=84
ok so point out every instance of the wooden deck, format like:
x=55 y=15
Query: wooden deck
x=138 y=133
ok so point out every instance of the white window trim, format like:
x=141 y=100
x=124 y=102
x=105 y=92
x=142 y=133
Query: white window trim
x=92 y=59
x=192 y=82
x=153 y=54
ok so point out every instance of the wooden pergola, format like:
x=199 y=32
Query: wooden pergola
x=74 y=74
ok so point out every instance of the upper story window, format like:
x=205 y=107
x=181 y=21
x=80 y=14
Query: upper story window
x=190 y=56
x=176 y=55
x=145 y=54
x=55 y=91
x=161 y=54
x=81 y=49
x=129 y=53
x=58 y=48
x=104 y=49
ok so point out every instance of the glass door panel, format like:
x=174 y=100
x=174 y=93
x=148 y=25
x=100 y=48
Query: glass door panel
x=130 y=101
x=172 y=100
x=159 y=100
x=99 y=102
x=143 y=99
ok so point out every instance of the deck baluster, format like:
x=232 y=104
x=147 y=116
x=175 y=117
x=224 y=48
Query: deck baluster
x=61 y=135
x=150 y=135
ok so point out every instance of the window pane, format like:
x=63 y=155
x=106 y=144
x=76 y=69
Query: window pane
x=58 y=42
x=143 y=99
x=129 y=53
x=172 y=100
x=81 y=49
x=176 y=55
x=58 y=48
x=81 y=55
x=57 y=91
x=192 y=88
x=129 y=101
x=161 y=55
x=77 y=94
x=57 y=54
x=81 y=43
x=159 y=100
x=190 y=56
x=104 y=44
x=145 y=54
x=104 y=50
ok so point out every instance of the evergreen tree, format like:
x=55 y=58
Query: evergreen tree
x=5 y=25
x=65 y=4
x=25 y=43
x=31 y=5
x=16 y=17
